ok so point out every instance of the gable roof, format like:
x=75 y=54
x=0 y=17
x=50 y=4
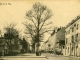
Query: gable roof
x=73 y=21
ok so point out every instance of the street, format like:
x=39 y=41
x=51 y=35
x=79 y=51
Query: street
x=45 y=56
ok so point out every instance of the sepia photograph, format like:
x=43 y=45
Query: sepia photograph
x=40 y=29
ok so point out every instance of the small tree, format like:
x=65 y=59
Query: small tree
x=25 y=46
x=11 y=33
x=38 y=22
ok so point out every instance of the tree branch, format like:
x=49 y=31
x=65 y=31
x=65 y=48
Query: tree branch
x=29 y=15
x=29 y=27
x=48 y=24
x=46 y=31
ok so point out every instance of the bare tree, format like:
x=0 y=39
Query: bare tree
x=11 y=33
x=38 y=22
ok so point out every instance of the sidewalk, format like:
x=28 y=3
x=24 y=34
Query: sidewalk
x=26 y=55
x=33 y=55
x=53 y=55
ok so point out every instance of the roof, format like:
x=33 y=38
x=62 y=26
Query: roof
x=46 y=41
x=57 y=30
x=73 y=21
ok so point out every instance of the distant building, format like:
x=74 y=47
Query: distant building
x=16 y=45
x=56 y=41
x=45 y=46
x=25 y=46
x=72 y=38
x=7 y=47
x=4 y=48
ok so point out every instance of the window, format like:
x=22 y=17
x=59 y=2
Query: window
x=74 y=25
x=72 y=39
x=65 y=33
x=69 y=32
x=66 y=40
x=63 y=47
x=77 y=26
x=77 y=46
x=68 y=49
x=1 y=42
x=72 y=29
x=76 y=37
x=72 y=48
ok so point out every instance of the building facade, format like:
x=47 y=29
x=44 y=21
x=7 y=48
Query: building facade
x=56 y=41
x=72 y=38
x=3 y=47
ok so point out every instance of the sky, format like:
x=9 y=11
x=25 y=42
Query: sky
x=63 y=11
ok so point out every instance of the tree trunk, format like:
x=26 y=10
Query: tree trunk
x=33 y=48
x=38 y=52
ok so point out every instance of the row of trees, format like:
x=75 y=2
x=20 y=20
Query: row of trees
x=37 y=24
x=10 y=34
